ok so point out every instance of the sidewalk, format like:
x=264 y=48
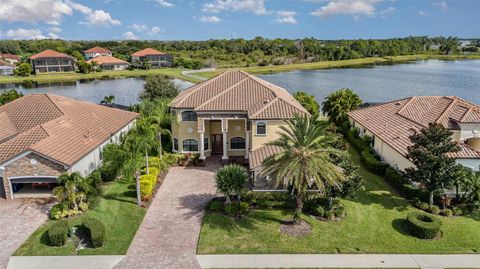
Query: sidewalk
x=61 y=262
x=339 y=261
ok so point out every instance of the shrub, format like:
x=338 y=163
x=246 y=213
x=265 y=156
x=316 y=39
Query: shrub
x=151 y=171
x=216 y=207
x=424 y=206
x=151 y=178
x=339 y=212
x=416 y=202
x=434 y=210
x=94 y=178
x=231 y=179
x=404 y=187
x=56 y=211
x=146 y=188
x=423 y=225
x=96 y=231
x=244 y=208
x=457 y=211
x=446 y=212
x=83 y=206
x=230 y=209
x=234 y=209
x=57 y=233
x=154 y=162
x=372 y=163
x=330 y=215
x=318 y=211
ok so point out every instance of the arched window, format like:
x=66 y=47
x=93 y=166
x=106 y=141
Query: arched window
x=237 y=143
x=175 y=144
x=261 y=128
x=189 y=116
x=190 y=145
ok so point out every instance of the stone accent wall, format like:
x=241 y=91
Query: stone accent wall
x=24 y=167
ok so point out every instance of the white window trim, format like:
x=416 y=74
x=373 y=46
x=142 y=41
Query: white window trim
x=256 y=128
x=188 y=151
x=208 y=142
x=181 y=116
x=230 y=144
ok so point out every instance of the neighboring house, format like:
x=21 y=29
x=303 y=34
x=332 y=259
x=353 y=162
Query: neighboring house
x=96 y=52
x=45 y=135
x=232 y=115
x=10 y=58
x=6 y=69
x=52 y=61
x=153 y=57
x=109 y=63
x=391 y=124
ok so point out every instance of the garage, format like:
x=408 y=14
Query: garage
x=33 y=187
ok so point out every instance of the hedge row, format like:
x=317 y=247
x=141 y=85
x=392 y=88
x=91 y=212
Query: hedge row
x=403 y=186
x=96 y=231
x=57 y=233
x=232 y=209
x=147 y=185
x=423 y=225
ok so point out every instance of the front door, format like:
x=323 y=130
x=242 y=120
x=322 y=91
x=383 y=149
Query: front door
x=217 y=143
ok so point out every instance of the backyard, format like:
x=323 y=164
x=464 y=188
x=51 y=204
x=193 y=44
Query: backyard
x=115 y=207
x=374 y=224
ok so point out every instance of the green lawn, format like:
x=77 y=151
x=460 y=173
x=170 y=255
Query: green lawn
x=116 y=208
x=374 y=224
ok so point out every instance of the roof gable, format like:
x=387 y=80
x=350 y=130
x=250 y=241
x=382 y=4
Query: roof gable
x=50 y=54
x=97 y=49
x=147 y=51
x=107 y=60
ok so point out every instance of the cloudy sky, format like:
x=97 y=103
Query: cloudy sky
x=205 y=19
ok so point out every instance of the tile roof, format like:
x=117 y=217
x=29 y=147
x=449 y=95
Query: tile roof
x=57 y=127
x=9 y=56
x=3 y=63
x=147 y=51
x=107 y=60
x=50 y=54
x=395 y=121
x=97 y=49
x=238 y=91
x=256 y=157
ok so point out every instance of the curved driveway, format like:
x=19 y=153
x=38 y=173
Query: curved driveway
x=168 y=235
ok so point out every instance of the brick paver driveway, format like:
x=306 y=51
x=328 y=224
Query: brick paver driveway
x=19 y=218
x=167 y=237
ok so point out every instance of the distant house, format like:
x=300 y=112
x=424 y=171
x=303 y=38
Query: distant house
x=10 y=58
x=153 y=57
x=6 y=69
x=52 y=61
x=390 y=125
x=96 y=52
x=43 y=136
x=109 y=63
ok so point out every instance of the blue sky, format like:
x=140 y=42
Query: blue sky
x=205 y=19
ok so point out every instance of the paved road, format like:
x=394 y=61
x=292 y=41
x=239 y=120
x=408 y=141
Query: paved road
x=19 y=218
x=167 y=237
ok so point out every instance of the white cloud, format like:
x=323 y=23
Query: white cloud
x=100 y=18
x=286 y=17
x=31 y=11
x=22 y=33
x=54 y=29
x=53 y=35
x=347 y=7
x=210 y=19
x=255 y=6
x=154 y=31
x=422 y=13
x=164 y=3
x=443 y=5
x=138 y=27
x=384 y=13
x=79 y=7
x=130 y=35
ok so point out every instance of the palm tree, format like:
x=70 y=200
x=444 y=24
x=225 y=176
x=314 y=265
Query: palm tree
x=108 y=99
x=306 y=159
x=73 y=189
x=471 y=185
x=338 y=104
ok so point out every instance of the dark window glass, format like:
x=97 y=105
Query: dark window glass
x=261 y=128
x=189 y=116
x=190 y=145
x=175 y=144
x=237 y=143
x=205 y=143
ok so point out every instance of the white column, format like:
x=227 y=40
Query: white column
x=225 y=156
x=202 y=149
x=247 y=143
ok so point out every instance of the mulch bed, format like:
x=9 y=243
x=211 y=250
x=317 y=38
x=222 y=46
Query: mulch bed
x=295 y=230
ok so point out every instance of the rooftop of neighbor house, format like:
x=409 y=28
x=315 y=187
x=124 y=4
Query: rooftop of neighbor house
x=147 y=51
x=9 y=56
x=56 y=127
x=257 y=156
x=395 y=121
x=6 y=64
x=107 y=60
x=97 y=49
x=238 y=91
x=50 y=54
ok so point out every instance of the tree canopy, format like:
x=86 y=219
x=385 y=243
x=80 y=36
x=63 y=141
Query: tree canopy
x=337 y=104
x=307 y=101
x=159 y=87
x=9 y=95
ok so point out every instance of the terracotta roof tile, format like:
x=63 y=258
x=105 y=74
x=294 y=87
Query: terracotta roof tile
x=50 y=54
x=3 y=63
x=147 y=51
x=7 y=129
x=9 y=56
x=466 y=152
x=107 y=60
x=256 y=157
x=97 y=49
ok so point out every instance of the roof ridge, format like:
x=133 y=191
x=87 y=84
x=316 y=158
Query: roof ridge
x=405 y=105
x=454 y=101
x=54 y=103
x=222 y=93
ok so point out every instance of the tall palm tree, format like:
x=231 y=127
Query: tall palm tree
x=73 y=189
x=306 y=159
x=337 y=104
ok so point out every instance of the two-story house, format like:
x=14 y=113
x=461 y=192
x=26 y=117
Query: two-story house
x=232 y=115
x=153 y=57
x=52 y=61
x=96 y=52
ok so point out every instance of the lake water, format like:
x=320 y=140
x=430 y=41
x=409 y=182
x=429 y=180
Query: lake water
x=377 y=83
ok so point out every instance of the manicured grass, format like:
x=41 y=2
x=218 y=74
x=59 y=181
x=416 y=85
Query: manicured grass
x=116 y=208
x=374 y=224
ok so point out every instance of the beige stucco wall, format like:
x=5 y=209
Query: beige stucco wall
x=236 y=128
x=183 y=130
x=273 y=128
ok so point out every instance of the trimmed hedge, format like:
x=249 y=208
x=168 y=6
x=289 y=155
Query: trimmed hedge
x=403 y=186
x=371 y=162
x=423 y=225
x=276 y=200
x=151 y=178
x=146 y=188
x=234 y=209
x=96 y=231
x=57 y=234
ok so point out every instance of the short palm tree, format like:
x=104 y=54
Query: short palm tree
x=73 y=189
x=337 y=104
x=471 y=185
x=305 y=160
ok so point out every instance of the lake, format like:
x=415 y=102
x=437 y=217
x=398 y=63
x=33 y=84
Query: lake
x=375 y=83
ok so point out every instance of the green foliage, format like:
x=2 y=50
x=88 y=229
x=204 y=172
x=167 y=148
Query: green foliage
x=9 y=95
x=72 y=190
x=471 y=185
x=337 y=104
x=152 y=171
x=401 y=184
x=149 y=177
x=279 y=200
x=188 y=63
x=457 y=211
x=57 y=210
x=236 y=209
x=308 y=102
x=231 y=179
x=78 y=55
x=447 y=212
x=96 y=231
x=57 y=234
x=94 y=178
x=372 y=163
x=159 y=87
x=435 y=210
x=146 y=189
x=423 y=225
x=84 y=67
x=23 y=70
x=108 y=99
x=215 y=206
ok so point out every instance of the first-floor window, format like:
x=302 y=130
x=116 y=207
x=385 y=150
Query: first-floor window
x=237 y=143
x=175 y=144
x=205 y=143
x=190 y=145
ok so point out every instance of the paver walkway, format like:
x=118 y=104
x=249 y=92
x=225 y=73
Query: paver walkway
x=168 y=235
x=18 y=219
x=340 y=261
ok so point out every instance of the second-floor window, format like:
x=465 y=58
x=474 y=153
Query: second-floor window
x=189 y=116
x=261 y=128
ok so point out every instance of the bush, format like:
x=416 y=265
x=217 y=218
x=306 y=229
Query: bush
x=457 y=211
x=216 y=207
x=96 y=231
x=434 y=210
x=56 y=211
x=446 y=212
x=151 y=178
x=372 y=163
x=234 y=209
x=330 y=215
x=404 y=187
x=94 y=178
x=151 y=171
x=339 y=212
x=154 y=162
x=416 y=202
x=231 y=179
x=318 y=211
x=146 y=189
x=57 y=233
x=424 y=206
x=423 y=225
